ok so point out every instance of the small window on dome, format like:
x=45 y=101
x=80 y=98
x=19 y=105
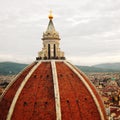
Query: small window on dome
x=85 y=98
x=35 y=103
x=40 y=76
x=61 y=75
x=77 y=101
x=47 y=76
x=72 y=75
x=67 y=101
x=25 y=103
x=46 y=103
x=35 y=76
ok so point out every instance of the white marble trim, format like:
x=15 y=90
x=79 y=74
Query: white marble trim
x=56 y=91
x=10 y=84
x=11 y=109
x=89 y=89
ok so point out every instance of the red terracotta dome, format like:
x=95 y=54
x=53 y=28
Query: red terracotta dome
x=51 y=88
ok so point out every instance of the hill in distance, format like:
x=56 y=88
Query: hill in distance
x=11 y=68
x=106 y=67
x=113 y=66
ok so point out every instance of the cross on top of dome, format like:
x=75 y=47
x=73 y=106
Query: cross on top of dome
x=50 y=15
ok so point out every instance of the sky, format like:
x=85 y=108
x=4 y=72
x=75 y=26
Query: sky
x=89 y=29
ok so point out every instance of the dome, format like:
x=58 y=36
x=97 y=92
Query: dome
x=51 y=88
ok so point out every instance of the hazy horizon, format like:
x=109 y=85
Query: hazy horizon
x=19 y=62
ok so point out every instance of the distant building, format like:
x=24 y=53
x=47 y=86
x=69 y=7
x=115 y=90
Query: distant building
x=111 y=87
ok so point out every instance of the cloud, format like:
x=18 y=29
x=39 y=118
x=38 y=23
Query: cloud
x=92 y=60
x=16 y=58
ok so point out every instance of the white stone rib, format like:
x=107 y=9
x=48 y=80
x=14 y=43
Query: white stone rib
x=10 y=84
x=56 y=91
x=89 y=89
x=11 y=109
